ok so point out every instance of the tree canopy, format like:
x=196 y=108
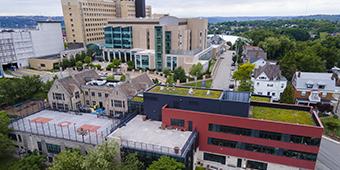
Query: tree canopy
x=179 y=74
x=244 y=72
x=167 y=163
x=68 y=159
x=288 y=95
x=32 y=161
x=196 y=70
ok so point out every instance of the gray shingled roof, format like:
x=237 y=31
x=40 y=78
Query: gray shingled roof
x=272 y=71
x=77 y=80
x=138 y=84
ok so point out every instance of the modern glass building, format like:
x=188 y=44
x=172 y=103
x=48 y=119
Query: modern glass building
x=118 y=37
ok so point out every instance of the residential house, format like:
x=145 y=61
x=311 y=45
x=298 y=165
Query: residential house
x=268 y=81
x=87 y=90
x=252 y=54
x=313 y=88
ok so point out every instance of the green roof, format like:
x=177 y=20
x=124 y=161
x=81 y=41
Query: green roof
x=184 y=91
x=137 y=99
x=260 y=99
x=282 y=115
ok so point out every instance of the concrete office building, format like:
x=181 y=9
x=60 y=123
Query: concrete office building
x=85 y=19
x=148 y=11
x=164 y=42
x=20 y=45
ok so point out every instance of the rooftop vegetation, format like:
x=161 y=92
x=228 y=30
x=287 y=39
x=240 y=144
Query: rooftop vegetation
x=185 y=91
x=282 y=115
x=137 y=99
x=260 y=99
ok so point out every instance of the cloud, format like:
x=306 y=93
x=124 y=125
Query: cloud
x=193 y=8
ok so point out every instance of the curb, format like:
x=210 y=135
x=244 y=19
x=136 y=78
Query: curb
x=332 y=140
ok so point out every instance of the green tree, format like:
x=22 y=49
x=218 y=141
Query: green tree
x=104 y=157
x=197 y=70
x=245 y=86
x=87 y=60
x=79 y=65
x=277 y=47
x=33 y=161
x=166 y=71
x=259 y=35
x=288 y=95
x=244 y=72
x=170 y=79
x=68 y=159
x=131 y=162
x=332 y=125
x=122 y=78
x=166 y=163
x=131 y=65
x=179 y=74
x=6 y=145
x=297 y=33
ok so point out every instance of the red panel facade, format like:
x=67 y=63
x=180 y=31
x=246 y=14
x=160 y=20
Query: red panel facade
x=200 y=122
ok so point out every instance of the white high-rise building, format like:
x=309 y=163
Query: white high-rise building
x=17 y=46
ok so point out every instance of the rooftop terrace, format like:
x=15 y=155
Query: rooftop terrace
x=187 y=91
x=66 y=126
x=282 y=115
x=148 y=136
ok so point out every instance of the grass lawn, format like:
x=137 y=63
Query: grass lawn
x=182 y=91
x=199 y=84
x=327 y=131
x=282 y=115
x=260 y=99
x=137 y=99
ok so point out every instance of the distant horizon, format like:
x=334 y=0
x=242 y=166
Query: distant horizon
x=192 y=8
x=197 y=16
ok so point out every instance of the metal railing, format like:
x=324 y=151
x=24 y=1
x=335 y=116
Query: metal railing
x=69 y=132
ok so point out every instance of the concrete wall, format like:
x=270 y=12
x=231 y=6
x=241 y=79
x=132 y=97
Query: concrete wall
x=43 y=64
x=48 y=39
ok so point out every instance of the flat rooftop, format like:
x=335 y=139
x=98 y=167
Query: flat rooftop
x=187 y=91
x=148 y=135
x=282 y=115
x=66 y=125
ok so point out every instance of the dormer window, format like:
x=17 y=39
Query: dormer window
x=322 y=86
x=262 y=78
x=309 y=86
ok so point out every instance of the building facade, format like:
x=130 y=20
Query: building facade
x=86 y=90
x=268 y=81
x=85 y=19
x=314 y=88
x=18 y=46
x=240 y=136
x=179 y=41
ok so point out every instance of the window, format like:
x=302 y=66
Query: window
x=270 y=135
x=303 y=93
x=99 y=94
x=51 y=148
x=76 y=94
x=258 y=83
x=93 y=94
x=299 y=155
x=228 y=129
x=305 y=140
x=282 y=86
x=273 y=94
x=118 y=103
x=59 y=96
x=106 y=95
x=214 y=158
x=177 y=122
x=94 y=103
x=222 y=142
x=309 y=86
x=42 y=65
x=259 y=148
x=86 y=93
x=270 y=85
x=87 y=102
x=322 y=86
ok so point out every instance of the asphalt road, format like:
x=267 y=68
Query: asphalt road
x=329 y=155
x=223 y=74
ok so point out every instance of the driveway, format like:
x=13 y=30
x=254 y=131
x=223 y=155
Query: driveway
x=329 y=155
x=223 y=72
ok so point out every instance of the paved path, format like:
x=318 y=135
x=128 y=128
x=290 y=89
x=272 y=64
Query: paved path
x=223 y=74
x=329 y=155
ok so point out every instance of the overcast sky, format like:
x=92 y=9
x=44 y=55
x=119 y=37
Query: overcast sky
x=192 y=8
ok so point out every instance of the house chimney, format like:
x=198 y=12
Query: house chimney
x=299 y=74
